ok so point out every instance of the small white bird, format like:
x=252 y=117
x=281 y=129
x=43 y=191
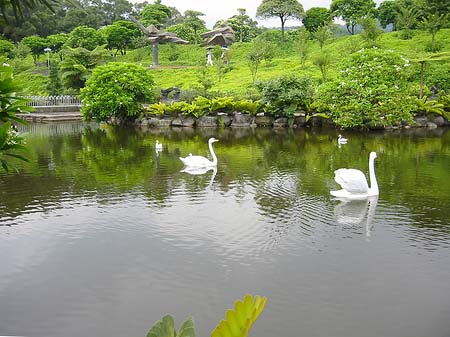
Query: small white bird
x=199 y=161
x=342 y=140
x=158 y=146
x=354 y=184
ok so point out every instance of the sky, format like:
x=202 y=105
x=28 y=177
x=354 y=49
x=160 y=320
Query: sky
x=215 y=10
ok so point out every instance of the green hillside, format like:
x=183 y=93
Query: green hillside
x=180 y=65
x=286 y=61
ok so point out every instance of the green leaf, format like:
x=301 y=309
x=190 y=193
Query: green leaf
x=239 y=321
x=187 y=329
x=166 y=328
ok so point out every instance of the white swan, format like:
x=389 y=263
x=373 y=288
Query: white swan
x=342 y=140
x=158 y=146
x=199 y=161
x=354 y=184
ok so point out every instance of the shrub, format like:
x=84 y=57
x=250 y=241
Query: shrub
x=116 y=90
x=10 y=104
x=286 y=94
x=371 y=91
x=7 y=48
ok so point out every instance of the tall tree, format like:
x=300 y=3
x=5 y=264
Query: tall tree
x=316 y=17
x=387 y=13
x=20 y=7
x=155 y=14
x=434 y=23
x=244 y=27
x=352 y=11
x=196 y=24
x=283 y=9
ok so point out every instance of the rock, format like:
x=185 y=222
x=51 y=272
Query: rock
x=224 y=120
x=420 y=121
x=315 y=121
x=439 y=121
x=263 y=120
x=300 y=121
x=188 y=122
x=431 y=125
x=207 y=121
x=177 y=122
x=280 y=122
x=164 y=123
x=241 y=120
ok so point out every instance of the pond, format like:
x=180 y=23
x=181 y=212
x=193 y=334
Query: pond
x=102 y=236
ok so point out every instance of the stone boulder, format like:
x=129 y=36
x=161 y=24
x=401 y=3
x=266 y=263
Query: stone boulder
x=440 y=121
x=280 y=122
x=241 y=120
x=224 y=120
x=420 y=121
x=262 y=121
x=300 y=121
x=207 y=121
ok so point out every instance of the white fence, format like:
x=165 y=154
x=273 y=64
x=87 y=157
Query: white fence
x=53 y=100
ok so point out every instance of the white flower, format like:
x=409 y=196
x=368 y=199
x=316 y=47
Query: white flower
x=6 y=64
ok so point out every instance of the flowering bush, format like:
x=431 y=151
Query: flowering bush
x=116 y=90
x=372 y=90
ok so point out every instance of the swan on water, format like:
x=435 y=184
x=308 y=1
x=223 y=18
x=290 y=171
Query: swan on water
x=199 y=161
x=342 y=140
x=158 y=146
x=354 y=184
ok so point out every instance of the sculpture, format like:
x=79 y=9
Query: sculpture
x=156 y=36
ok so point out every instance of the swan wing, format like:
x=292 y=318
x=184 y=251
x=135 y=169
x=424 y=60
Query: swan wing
x=196 y=161
x=351 y=180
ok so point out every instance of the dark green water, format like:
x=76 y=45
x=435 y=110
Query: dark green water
x=102 y=236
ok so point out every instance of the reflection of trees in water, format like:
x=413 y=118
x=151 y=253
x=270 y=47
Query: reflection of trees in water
x=412 y=166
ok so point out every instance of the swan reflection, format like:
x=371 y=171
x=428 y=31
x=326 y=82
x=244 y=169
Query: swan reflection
x=356 y=212
x=201 y=170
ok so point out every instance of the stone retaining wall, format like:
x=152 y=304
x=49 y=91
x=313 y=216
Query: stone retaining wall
x=238 y=119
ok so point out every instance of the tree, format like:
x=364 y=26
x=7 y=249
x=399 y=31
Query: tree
x=120 y=35
x=36 y=44
x=155 y=14
x=387 y=13
x=302 y=46
x=322 y=35
x=54 y=86
x=370 y=33
x=323 y=61
x=19 y=7
x=56 y=41
x=245 y=29
x=407 y=20
x=193 y=22
x=434 y=23
x=116 y=90
x=85 y=37
x=352 y=11
x=78 y=64
x=114 y=10
x=283 y=9
x=316 y=17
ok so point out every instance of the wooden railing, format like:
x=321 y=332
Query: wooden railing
x=65 y=100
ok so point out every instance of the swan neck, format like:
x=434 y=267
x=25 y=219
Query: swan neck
x=373 y=178
x=211 y=150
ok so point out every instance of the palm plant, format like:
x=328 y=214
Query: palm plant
x=10 y=105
